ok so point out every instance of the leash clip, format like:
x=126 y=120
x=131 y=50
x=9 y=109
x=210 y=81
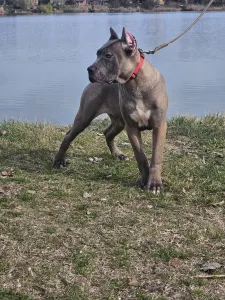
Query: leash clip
x=146 y=51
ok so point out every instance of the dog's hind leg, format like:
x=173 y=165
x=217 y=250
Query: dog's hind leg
x=113 y=130
x=80 y=123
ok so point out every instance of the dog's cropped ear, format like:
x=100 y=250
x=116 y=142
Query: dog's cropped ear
x=114 y=35
x=129 y=43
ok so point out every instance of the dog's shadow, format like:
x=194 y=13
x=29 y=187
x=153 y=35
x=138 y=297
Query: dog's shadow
x=110 y=169
x=78 y=165
x=28 y=160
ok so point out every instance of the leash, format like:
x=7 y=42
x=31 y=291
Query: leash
x=176 y=38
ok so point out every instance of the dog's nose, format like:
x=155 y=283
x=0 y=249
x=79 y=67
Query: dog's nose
x=91 y=70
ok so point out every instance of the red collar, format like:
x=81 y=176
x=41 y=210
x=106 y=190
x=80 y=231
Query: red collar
x=134 y=75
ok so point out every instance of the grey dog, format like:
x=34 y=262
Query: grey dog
x=133 y=93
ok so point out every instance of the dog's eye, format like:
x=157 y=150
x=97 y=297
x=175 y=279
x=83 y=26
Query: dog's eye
x=108 y=55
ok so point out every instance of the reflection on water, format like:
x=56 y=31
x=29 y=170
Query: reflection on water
x=44 y=61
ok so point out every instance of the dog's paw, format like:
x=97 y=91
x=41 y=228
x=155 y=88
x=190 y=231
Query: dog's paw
x=142 y=184
x=59 y=163
x=154 y=185
x=122 y=156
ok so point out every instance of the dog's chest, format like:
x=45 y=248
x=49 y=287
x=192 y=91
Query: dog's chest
x=141 y=114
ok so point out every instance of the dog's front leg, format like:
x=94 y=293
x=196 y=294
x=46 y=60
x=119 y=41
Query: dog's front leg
x=155 y=181
x=134 y=136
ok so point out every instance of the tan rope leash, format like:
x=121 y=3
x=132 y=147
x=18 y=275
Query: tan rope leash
x=176 y=38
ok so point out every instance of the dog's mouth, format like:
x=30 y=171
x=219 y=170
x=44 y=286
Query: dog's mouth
x=97 y=76
x=109 y=81
x=100 y=79
x=92 y=79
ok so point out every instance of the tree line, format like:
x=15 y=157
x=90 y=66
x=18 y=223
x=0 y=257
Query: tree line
x=146 y=4
x=151 y=3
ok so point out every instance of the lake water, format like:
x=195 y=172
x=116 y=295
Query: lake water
x=43 y=61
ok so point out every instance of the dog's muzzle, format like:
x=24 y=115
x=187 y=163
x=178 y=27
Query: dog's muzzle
x=96 y=76
x=91 y=71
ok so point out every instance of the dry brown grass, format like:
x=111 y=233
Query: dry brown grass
x=88 y=232
x=198 y=7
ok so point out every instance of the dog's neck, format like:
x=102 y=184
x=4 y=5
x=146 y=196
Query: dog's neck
x=138 y=67
x=148 y=75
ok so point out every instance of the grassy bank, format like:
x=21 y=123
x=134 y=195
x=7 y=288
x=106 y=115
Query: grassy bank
x=87 y=232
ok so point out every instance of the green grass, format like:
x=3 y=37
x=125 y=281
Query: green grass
x=82 y=262
x=121 y=242
x=9 y=295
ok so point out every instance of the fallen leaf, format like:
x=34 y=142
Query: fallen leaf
x=218 y=154
x=5 y=173
x=218 y=203
x=18 y=208
x=87 y=195
x=125 y=144
x=97 y=159
x=31 y=192
x=133 y=282
x=3 y=132
x=209 y=267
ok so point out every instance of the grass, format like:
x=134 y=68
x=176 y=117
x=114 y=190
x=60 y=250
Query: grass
x=87 y=232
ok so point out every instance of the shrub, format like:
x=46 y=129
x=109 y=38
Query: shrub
x=46 y=8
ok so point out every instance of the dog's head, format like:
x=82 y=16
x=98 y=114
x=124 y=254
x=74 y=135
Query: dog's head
x=116 y=60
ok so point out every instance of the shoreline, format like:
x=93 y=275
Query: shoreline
x=44 y=10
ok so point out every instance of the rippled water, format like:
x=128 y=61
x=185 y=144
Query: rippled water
x=43 y=61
